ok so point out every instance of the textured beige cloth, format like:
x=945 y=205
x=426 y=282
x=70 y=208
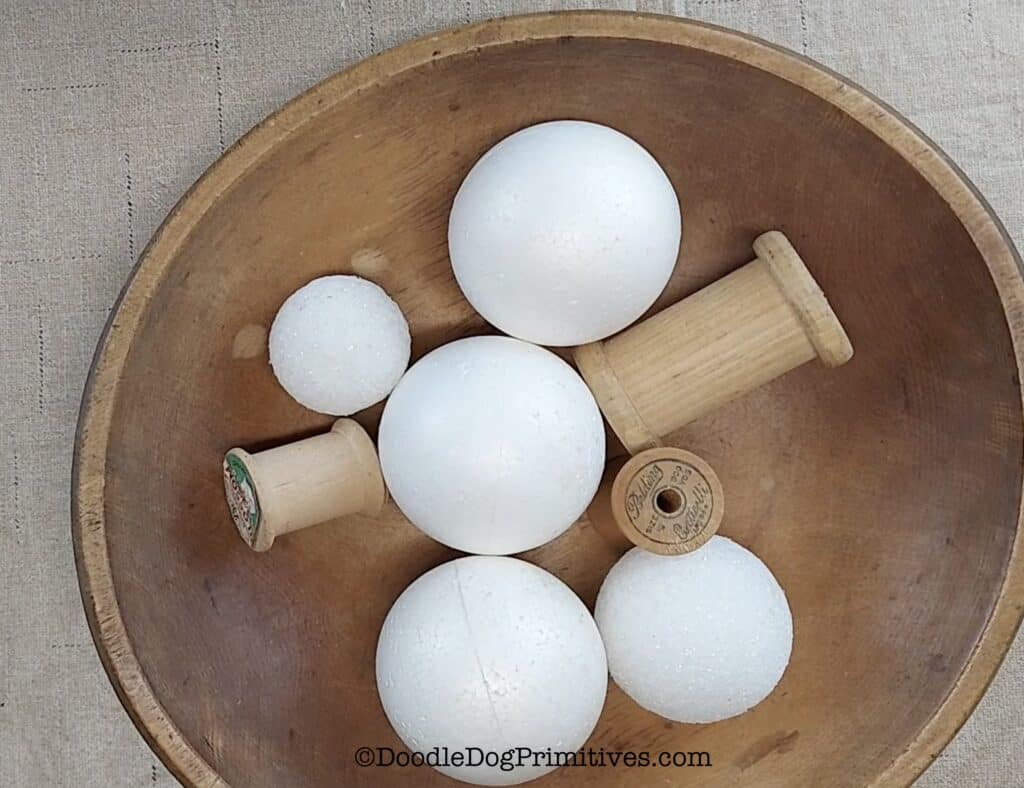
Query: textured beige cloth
x=110 y=110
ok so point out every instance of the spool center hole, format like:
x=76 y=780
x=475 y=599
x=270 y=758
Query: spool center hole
x=668 y=501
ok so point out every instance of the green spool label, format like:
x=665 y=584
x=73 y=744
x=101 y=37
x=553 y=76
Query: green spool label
x=242 y=498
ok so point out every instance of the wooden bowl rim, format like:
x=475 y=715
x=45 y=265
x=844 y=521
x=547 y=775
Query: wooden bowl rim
x=89 y=468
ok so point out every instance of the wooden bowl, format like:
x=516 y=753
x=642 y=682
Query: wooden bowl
x=885 y=495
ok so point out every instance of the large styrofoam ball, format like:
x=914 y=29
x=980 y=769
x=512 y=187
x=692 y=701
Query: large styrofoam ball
x=697 y=637
x=491 y=445
x=494 y=653
x=339 y=344
x=564 y=233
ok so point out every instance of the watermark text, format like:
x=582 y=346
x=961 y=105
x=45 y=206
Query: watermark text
x=519 y=757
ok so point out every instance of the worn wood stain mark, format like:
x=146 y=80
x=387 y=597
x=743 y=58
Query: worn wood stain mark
x=208 y=588
x=779 y=742
x=369 y=263
x=250 y=341
x=938 y=663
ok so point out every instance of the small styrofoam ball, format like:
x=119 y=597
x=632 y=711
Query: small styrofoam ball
x=564 y=233
x=698 y=637
x=492 y=445
x=339 y=344
x=495 y=653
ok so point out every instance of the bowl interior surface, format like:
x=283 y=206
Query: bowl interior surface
x=884 y=494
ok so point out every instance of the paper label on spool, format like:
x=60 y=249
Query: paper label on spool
x=672 y=501
x=242 y=499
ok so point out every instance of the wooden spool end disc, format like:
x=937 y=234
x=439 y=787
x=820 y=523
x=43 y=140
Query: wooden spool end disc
x=813 y=310
x=303 y=483
x=666 y=500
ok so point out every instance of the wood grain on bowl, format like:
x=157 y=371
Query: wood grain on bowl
x=885 y=494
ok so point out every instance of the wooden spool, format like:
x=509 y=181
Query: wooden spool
x=666 y=500
x=736 y=334
x=303 y=483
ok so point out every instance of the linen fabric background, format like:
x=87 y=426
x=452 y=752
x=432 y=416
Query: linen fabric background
x=110 y=110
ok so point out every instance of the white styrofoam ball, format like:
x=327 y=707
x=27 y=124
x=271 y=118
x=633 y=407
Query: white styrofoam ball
x=698 y=637
x=564 y=233
x=491 y=445
x=494 y=653
x=339 y=344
